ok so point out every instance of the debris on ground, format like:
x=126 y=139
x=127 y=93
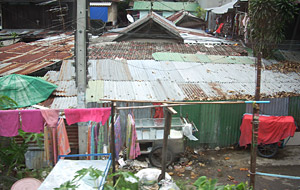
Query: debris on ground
x=168 y=185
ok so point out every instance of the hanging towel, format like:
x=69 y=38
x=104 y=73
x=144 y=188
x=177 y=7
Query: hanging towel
x=50 y=116
x=92 y=140
x=101 y=138
x=54 y=143
x=128 y=135
x=134 y=146
x=89 y=140
x=9 y=123
x=46 y=146
x=85 y=115
x=62 y=138
x=32 y=121
x=118 y=139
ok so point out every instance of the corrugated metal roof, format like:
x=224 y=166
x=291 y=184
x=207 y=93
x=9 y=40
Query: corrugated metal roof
x=165 y=6
x=65 y=88
x=153 y=80
x=64 y=102
x=144 y=50
x=165 y=56
x=26 y=58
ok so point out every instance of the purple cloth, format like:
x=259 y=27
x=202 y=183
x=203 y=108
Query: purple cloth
x=118 y=140
x=9 y=123
x=32 y=121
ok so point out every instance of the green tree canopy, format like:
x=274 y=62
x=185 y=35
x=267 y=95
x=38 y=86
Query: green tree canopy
x=268 y=19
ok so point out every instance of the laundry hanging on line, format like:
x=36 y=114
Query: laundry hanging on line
x=133 y=147
x=32 y=120
x=9 y=123
x=85 y=115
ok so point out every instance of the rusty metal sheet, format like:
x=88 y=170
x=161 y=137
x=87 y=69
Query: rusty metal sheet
x=26 y=58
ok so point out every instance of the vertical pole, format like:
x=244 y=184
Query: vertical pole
x=112 y=141
x=81 y=60
x=167 y=128
x=255 y=124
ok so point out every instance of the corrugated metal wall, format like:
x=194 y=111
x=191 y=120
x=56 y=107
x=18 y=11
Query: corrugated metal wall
x=218 y=124
x=277 y=106
x=294 y=109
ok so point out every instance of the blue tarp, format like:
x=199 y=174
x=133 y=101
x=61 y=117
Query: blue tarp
x=99 y=13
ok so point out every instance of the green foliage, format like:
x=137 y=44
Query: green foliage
x=181 y=184
x=32 y=137
x=68 y=185
x=92 y=172
x=14 y=35
x=203 y=183
x=268 y=19
x=121 y=183
x=13 y=155
x=200 y=12
x=6 y=101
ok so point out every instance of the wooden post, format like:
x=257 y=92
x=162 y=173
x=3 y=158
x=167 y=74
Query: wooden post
x=167 y=128
x=112 y=141
x=255 y=124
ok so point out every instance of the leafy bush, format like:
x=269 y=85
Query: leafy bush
x=203 y=183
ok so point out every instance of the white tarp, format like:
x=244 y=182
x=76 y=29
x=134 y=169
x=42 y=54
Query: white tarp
x=224 y=8
x=65 y=170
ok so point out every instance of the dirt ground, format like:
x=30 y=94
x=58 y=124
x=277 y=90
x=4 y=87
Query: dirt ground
x=230 y=166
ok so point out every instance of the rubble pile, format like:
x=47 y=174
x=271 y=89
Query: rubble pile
x=285 y=67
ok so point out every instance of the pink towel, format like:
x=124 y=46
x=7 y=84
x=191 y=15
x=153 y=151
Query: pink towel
x=9 y=123
x=32 y=121
x=62 y=138
x=50 y=116
x=85 y=115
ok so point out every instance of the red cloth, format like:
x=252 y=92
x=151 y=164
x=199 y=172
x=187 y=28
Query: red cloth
x=9 y=123
x=159 y=111
x=32 y=121
x=220 y=28
x=85 y=115
x=271 y=129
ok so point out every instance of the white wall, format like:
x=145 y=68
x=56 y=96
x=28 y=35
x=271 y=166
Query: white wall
x=212 y=3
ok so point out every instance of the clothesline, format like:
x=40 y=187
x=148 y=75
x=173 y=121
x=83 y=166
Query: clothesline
x=187 y=103
x=33 y=120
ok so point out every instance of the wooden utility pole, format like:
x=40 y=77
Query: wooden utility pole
x=81 y=71
x=168 y=121
x=255 y=123
x=112 y=140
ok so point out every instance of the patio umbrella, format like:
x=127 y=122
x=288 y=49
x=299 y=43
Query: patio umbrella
x=25 y=90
